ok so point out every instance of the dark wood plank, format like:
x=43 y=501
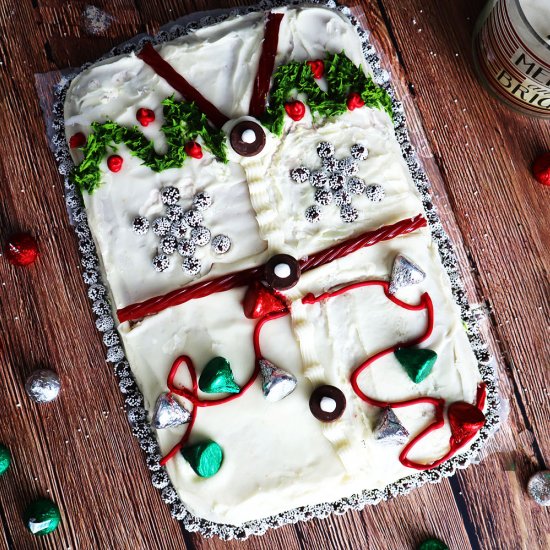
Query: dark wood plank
x=485 y=196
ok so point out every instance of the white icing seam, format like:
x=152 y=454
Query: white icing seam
x=262 y=204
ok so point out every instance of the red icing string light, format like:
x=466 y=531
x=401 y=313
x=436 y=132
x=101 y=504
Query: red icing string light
x=202 y=289
x=265 y=65
x=150 y=56
x=192 y=395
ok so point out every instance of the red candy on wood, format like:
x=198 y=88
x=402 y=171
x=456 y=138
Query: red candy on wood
x=295 y=110
x=541 y=168
x=145 y=116
x=354 y=101
x=317 y=68
x=114 y=163
x=193 y=149
x=465 y=421
x=21 y=249
x=77 y=140
x=260 y=300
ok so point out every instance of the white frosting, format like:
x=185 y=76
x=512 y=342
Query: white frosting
x=277 y=456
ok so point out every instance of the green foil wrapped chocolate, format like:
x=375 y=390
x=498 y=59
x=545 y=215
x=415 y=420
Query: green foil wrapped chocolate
x=417 y=362
x=217 y=377
x=5 y=459
x=42 y=517
x=432 y=544
x=205 y=457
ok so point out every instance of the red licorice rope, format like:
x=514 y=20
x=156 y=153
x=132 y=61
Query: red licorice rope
x=265 y=65
x=438 y=403
x=176 y=80
x=202 y=289
x=192 y=395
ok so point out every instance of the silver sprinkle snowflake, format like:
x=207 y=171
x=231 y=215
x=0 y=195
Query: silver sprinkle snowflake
x=336 y=183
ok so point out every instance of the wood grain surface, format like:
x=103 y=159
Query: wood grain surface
x=79 y=450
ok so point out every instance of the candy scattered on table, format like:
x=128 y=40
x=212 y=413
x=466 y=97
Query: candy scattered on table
x=539 y=487
x=217 y=377
x=541 y=168
x=277 y=383
x=432 y=544
x=21 y=249
x=42 y=517
x=43 y=386
x=5 y=459
x=205 y=458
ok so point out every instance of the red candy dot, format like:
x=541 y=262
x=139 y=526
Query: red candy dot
x=354 y=101
x=114 y=163
x=317 y=68
x=77 y=140
x=145 y=116
x=541 y=168
x=21 y=249
x=193 y=149
x=295 y=110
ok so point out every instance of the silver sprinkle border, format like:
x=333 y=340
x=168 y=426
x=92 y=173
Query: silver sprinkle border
x=97 y=293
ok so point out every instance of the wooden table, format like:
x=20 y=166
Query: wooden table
x=79 y=450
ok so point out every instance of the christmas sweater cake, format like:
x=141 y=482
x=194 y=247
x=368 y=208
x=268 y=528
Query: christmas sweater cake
x=266 y=271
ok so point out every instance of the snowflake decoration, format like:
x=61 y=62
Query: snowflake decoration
x=336 y=182
x=181 y=231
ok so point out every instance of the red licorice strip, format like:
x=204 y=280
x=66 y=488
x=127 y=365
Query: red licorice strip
x=202 y=289
x=192 y=395
x=265 y=65
x=176 y=80
x=370 y=238
x=181 y=295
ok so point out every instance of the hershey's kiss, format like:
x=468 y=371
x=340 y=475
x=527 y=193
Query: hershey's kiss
x=205 y=457
x=5 y=459
x=43 y=386
x=217 y=377
x=277 y=382
x=388 y=429
x=417 y=362
x=404 y=273
x=539 y=487
x=168 y=413
x=432 y=544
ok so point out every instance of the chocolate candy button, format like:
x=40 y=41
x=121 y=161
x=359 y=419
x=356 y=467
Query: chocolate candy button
x=327 y=403
x=247 y=138
x=282 y=272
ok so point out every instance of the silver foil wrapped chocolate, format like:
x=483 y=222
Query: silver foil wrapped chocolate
x=389 y=430
x=43 y=386
x=404 y=273
x=168 y=413
x=277 y=383
x=539 y=487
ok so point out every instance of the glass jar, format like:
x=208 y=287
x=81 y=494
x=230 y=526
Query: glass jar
x=511 y=48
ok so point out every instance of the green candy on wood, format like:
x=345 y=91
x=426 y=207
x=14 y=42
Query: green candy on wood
x=205 y=458
x=42 y=517
x=5 y=459
x=433 y=544
x=217 y=377
x=418 y=363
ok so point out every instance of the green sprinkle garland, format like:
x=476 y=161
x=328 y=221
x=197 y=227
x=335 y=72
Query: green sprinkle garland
x=183 y=122
x=342 y=78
